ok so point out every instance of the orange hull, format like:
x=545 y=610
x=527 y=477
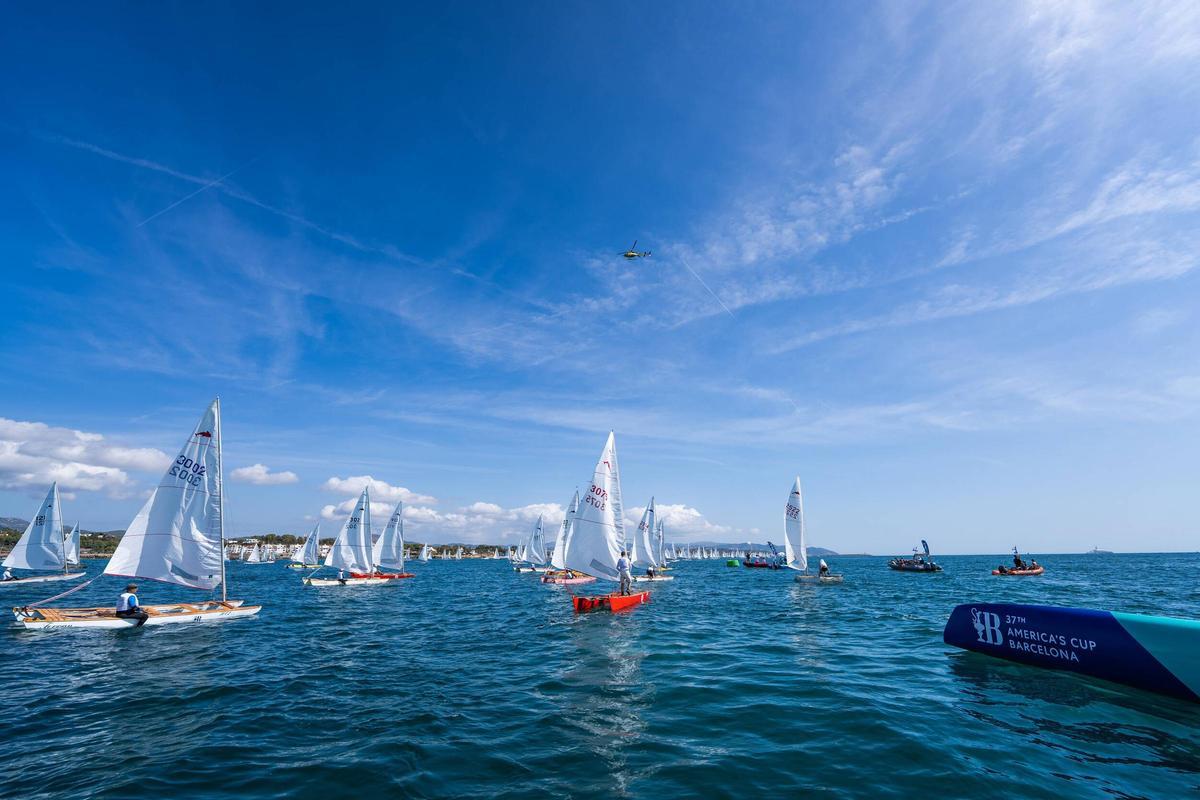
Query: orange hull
x=609 y=602
x=1020 y=572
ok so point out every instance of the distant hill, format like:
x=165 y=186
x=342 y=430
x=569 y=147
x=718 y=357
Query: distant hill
x=14 y=523
x=758 y=546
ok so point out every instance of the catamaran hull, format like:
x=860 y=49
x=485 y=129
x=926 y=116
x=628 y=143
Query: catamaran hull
x=348 y=582
x=568 y=581
x=609 y=602
x=1158 y=654
x=48 y=619
x=69 y=576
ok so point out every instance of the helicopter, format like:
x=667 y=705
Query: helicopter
x=632 y=252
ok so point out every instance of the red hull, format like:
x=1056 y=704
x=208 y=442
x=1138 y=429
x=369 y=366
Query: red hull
x=391 y=576
x=1019 y=572
x=609 y=602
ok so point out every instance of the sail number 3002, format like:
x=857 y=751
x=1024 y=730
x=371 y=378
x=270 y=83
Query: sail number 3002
x=192 y=472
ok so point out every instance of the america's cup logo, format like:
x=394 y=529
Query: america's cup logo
x=987 y=626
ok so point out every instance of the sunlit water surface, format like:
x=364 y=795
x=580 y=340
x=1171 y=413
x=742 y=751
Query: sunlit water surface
x=472 y=681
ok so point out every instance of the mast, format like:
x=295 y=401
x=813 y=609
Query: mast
x=221 y=489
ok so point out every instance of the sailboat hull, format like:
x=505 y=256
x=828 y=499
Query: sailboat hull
x=531 y=569
x=387 y=576
x=609 y=602
x=106 y=618
x=297 y=565
x=69 y=576
x=818 y=579
x=565 y=581
x=655 y=579
x=319 y=582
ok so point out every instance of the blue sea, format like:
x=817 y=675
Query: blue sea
x=472 y=681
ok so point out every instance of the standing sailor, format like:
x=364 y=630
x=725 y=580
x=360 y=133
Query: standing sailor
x=129 y=608
x=623 y=571
x=824 y=569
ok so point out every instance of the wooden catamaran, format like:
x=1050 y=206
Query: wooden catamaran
x=43 y=547
x=795 y=548
x=599 y=532
x=178 y=537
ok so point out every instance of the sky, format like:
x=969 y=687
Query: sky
x=937 y=259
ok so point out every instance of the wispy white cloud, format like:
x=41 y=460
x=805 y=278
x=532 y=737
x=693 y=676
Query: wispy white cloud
x=260 y=475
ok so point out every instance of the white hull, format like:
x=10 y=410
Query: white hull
x=819 y=579
x=348 y=581
x=106 y=619
x=655 y=579
x=69 y=576
x=531 y=569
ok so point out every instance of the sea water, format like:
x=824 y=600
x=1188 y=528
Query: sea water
x=472 y=681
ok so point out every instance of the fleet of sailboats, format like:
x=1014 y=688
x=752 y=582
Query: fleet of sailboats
x=178 y=537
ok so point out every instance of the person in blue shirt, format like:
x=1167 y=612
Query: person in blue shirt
x=128 y=606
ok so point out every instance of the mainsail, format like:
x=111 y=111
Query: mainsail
x=310 y=551
x=71 y=546
x=536 y=553
x=41 y=545
x=255 y=556
x=389 y=549
x=599 y=530
x=795 y=549
x=558 y=559
x=178 y=536
x=352 y=548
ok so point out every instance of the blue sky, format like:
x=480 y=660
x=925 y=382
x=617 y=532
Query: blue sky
x=940 y=260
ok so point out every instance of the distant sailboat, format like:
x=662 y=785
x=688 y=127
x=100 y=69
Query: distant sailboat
x=71 y=547
x=424 y=556
x=42 y=547
x=178 y=537
x=533 y=553
x=795 y=546
x=559 y=574
x=352 y=553
x=595 y=545
x=309 y=556
x=642 y=548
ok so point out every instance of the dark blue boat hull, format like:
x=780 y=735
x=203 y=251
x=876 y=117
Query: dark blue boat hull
x=1158 y=654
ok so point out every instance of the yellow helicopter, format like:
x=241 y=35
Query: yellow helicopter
x=633 y=253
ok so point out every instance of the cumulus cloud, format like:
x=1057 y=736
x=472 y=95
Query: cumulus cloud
x=260 y=475
x=33 y=455
x=380 y=490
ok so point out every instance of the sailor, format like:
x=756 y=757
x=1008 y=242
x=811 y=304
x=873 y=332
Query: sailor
x=623 y=571
x=650 y=571
x=823 y=570
x=7 y=576
x=1017 y=562
x=128 y=606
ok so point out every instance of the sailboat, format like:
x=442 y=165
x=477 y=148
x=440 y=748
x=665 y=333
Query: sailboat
x=641 y=549
x=599 y=531
x=309 y=556
x=795 y=548
x=533 y=553
x=458 y=554
x=255 y=556
x=42 y=546
x=352 y=554
x=424 y=556
x=388 y=552
x=71 y=547
x=178 y=537
x=558 y=573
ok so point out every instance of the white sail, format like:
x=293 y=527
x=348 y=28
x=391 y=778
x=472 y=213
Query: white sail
x=424 y=553
x=351 y=549
x=389 y=549
x=795 y=550
x=255 y=556
x=535 y=553
x=309 y=552
x=458 y=554
x=41 y=545
x=71 y=546
x=599 y=530
x=643 y=551
x=177 y=537
x=660 y=545
x=558 y=558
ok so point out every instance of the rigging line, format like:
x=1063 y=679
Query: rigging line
x=705 y=285
x=203 y=188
